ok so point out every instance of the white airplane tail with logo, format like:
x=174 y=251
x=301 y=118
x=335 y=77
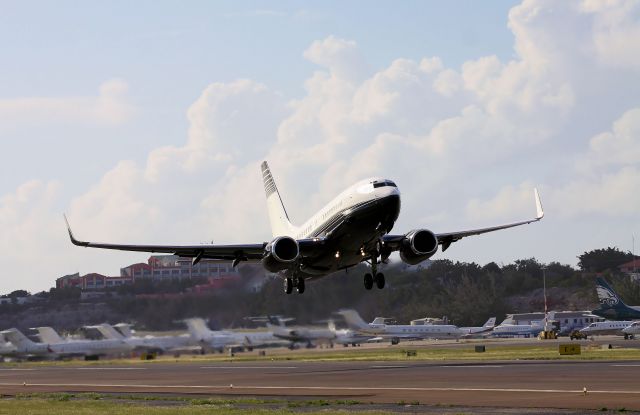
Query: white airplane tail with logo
x=280 y=224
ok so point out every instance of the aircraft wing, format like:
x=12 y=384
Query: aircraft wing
x=229 y=252
x=446 y=239
x=238 y=252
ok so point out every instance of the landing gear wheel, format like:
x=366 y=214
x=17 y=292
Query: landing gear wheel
x=368 y=281
x=300 y=285
x=380 y=280
x=288 y=285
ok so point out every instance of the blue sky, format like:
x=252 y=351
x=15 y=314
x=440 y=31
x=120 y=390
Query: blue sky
x=116 y=111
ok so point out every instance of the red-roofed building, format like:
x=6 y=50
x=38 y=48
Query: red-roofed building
x=632 y=269
x=159 y=267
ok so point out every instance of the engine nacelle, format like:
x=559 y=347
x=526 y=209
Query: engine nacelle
x=280 y=254
x=418 y=245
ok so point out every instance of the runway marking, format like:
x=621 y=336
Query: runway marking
x=17 y=369
x=472 y=366
x=249 y=367
x=321 y=388
x=627 y=365
x=107 y=368
x=387 y=367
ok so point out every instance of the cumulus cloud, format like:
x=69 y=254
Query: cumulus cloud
x=466 y=145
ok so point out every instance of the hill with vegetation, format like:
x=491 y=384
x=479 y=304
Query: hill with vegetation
x=467 y=293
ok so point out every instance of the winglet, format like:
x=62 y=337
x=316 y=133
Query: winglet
x=73 y=239
x=539 y=210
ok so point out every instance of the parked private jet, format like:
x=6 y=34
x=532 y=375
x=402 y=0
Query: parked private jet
x=353 y=228
x=601 y=328
x=63 y=348
x=401 y=331
x=211 y=340
x=153 y=344
x=479 y=331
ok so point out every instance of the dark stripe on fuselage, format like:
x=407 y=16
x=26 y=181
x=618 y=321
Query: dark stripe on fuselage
x=335 y=220
x=348 y=233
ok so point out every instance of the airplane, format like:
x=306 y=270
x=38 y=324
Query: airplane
x=611 y=305
x=219 y=340
x=479 y=331
x=23 y=346
x=312 y=336
x=151 y=344
x=602 y=328
x=632 y=329
x=352 y=228
x=397 y=332
x=84 y=347
x=66 y=348
x=516 y=330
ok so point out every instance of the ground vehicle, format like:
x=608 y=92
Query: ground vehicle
x=578 y=335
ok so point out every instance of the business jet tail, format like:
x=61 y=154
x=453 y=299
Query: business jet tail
x=280 y=224
x=491 y=323
x=18 y=339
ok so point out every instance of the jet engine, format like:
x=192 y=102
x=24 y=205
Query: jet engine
x=418 y=245
x=280 y=253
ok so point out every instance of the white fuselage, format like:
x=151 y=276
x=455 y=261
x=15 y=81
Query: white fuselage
x=163 y=343
x=438 y=331
x=606 y=327
x=633 y=328
x=356 y=195
x=505 y=330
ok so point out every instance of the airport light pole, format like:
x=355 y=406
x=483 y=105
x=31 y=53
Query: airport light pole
x=544 y=291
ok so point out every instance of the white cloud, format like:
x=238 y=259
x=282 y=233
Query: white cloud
x=466 y=145
x=110 y=106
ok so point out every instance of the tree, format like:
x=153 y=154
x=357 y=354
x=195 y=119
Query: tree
x=600 y=260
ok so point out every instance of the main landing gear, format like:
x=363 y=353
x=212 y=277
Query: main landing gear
x=369 y=280
x=376 y=277
x=289 y=283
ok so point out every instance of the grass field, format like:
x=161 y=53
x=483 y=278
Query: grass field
x=397 y=353
x=458 y=352
x=99 y=404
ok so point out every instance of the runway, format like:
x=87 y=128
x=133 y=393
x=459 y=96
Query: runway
x=532 y=384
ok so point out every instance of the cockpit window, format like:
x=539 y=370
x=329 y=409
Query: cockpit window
x=383 y=184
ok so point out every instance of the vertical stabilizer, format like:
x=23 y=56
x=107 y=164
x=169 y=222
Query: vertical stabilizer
x=18 y=339
x=48 y=335
x=607 y=297
x=491 y=323
x=353 y=319
x=125 y=329
x=198 y=328
x=280 y=225
x=108 y=332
